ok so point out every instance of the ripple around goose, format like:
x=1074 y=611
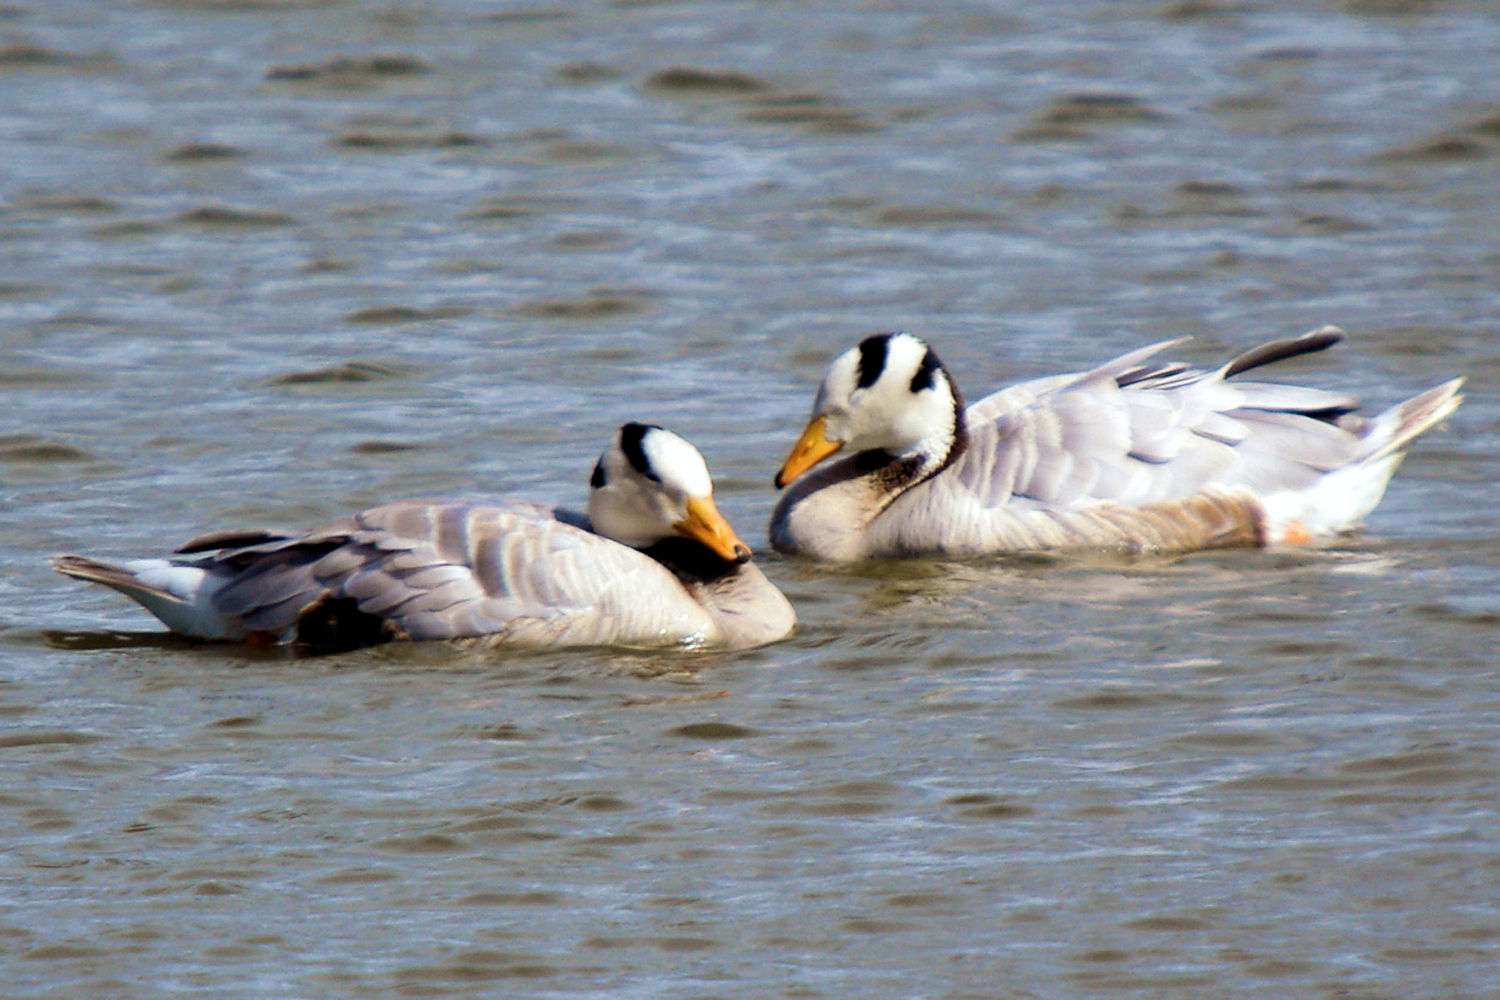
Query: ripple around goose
x=1133 y=455
x=652 y=564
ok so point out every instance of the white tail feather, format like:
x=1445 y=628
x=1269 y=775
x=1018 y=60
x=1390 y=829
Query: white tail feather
x=1394 y=429
x=1344 y=497
x=180 y=595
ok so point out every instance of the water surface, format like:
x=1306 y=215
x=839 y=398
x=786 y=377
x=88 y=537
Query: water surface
x=266 y=262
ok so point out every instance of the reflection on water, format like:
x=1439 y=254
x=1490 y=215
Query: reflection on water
x=268 y=263
x=95 y=641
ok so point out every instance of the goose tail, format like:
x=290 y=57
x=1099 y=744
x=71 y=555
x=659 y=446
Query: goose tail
x=1393 y=430
x=1344 y=497
x=180 y=595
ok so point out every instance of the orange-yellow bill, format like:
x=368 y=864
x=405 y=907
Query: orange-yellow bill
x=811 y=448
x=705 y=524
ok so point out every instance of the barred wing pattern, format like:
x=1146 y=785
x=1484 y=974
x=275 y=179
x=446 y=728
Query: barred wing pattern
x=521 y=573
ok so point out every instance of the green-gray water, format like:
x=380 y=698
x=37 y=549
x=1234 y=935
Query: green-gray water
x=265 y=262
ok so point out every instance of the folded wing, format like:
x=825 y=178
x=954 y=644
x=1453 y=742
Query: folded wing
x=1133 y=433
x=444 y=570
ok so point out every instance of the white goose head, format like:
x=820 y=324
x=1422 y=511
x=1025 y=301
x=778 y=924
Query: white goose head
x=651 y=485
x=889 y=394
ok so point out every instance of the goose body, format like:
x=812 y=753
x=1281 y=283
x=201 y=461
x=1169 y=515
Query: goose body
x=1133 y=455
x=652 y=564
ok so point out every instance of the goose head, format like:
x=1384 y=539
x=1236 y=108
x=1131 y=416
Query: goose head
x=651 y=485
x=889 y=394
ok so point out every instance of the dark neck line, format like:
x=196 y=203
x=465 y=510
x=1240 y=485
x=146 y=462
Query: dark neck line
x=896 y=474
x=960 y=430
x=690 y=561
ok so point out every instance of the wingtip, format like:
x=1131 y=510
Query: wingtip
x=1273 y=351
x=63 y=561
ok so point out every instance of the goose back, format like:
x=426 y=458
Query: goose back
x=513 y=572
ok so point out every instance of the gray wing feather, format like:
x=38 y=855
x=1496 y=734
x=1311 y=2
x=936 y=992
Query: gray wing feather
x=442 y=570
x=270 y=580
x=465 y=570
x=1295 y=398
x=237 y=539
x=275 y=617
x=1221 y=428
x=1135 y=431
x=1294 y=439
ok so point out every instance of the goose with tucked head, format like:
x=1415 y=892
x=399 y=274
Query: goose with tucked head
x=652 y=564
x=651 y=487
x=1132 y=455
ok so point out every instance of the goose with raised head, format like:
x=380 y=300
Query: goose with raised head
x=652 y=564
x=1135 y=455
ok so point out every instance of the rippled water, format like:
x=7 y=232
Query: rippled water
x=264 y=261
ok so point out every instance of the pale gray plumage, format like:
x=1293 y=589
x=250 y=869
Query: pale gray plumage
x=1133 y=454
x=510 y=572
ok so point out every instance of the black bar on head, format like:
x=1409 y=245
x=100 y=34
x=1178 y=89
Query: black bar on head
x=872 y=352
x=631 y=436
x=923 y=378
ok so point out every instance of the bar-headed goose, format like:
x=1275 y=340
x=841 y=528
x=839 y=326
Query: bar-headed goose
x=1133 y=455
x=652 y=564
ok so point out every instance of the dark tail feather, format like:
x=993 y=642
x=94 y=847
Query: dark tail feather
x=1279 y=350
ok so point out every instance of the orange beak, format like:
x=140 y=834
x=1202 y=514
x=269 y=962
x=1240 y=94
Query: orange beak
x=811 y=448
x=705 y=524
